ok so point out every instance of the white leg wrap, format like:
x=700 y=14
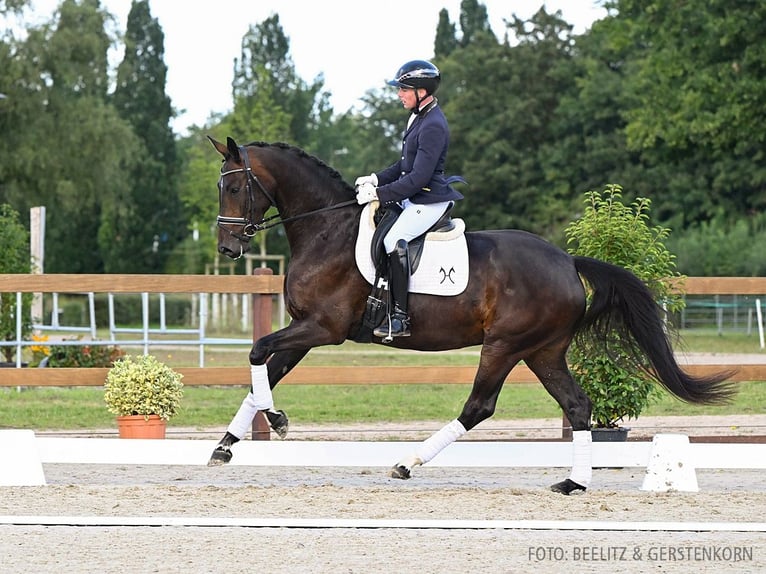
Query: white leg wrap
x=261 y=389
x=243 y=420
x=582 y=456
x=259 y=399
x=439 y=441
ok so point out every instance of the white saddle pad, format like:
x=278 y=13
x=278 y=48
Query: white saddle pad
x=443 y=267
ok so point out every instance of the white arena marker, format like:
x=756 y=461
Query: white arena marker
x=21 y=459
x=670 y=466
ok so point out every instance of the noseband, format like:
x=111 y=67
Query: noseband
x=250 y=227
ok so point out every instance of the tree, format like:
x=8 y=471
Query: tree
x=587 y=144
x=21 y=122
x=501 y=101
x=265 y=78
x=260 y=115
x=446 y=36
x=76 y=137
x=14 y=258
x=697 y=79
x=12 y=5
x=140 y=232
x=474 y=23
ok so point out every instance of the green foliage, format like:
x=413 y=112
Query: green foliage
x=693 y=95
x=14 y=258
x=665 y=98
x=718 y=248
x=143 y=386
x=75 y=356
x=446 y=38
x=620 y=234
x=141 y=238
x=501 y=102
x=267 y=87
x=474 y=23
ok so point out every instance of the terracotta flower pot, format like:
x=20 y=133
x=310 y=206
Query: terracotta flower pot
x=136 y=426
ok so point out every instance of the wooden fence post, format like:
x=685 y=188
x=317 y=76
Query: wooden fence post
x=262 y=314
x=566 y=427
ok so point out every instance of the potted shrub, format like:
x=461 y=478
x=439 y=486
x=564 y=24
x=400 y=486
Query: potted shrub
x=144 y=394
x=14 y=258
x=620 y=234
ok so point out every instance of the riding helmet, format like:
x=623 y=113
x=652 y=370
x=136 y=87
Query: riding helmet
x=417 y=74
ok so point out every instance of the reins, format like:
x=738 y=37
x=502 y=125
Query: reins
x=249 y=227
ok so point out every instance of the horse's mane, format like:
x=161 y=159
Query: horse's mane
x=298 y=152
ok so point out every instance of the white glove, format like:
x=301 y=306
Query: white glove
x=366 y=193
x=372 y=178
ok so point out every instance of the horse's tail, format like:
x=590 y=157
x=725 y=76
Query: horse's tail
x=622 y=304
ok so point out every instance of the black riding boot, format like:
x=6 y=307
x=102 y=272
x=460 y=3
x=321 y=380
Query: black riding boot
x=397 y=323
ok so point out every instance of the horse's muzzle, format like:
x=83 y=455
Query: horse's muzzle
x=234 y=253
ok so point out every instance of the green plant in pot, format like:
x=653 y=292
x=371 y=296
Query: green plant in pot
x=620 y=234
x=14 y=258
x=142 y=388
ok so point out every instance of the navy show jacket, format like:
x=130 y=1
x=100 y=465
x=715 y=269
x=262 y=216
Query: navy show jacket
x=419 y=173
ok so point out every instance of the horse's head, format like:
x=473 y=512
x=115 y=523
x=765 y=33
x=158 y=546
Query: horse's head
x=243 y=199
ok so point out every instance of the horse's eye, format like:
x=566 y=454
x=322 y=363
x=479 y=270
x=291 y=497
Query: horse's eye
x=234 y=190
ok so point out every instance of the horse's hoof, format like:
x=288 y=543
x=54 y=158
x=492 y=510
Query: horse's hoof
x=567 y=487
x=221 y=455
x=278 y=422
x=400 y=471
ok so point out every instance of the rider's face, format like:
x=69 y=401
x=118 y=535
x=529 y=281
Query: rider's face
x=408 y=98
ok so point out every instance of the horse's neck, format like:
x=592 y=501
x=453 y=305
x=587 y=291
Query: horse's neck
x=304 y=188
x=318 y=236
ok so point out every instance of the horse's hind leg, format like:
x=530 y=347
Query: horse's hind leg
x=494 y=367
x=550 y=367
x=278 y=366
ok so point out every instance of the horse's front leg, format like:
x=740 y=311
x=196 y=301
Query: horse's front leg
x=284 y=349
x=278 y=366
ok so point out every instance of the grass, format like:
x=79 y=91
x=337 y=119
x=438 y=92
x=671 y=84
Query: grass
x=42 y=408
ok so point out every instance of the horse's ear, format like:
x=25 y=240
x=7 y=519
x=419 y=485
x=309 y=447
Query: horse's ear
x=219 y=147
x=228 y=151
x=233 y=148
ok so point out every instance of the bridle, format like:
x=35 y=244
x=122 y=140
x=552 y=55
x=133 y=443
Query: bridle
x=250 y=227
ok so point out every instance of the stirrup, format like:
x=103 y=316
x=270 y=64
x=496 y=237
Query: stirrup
x=395 y=325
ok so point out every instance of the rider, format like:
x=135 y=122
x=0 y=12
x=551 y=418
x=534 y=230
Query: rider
x=416 y=182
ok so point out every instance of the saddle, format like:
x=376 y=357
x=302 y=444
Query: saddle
x=441 y=269
x=384 y=219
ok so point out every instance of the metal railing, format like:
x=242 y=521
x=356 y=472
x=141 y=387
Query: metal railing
x=201 y=287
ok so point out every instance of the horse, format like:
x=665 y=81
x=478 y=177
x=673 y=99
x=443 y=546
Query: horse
x=525 y=300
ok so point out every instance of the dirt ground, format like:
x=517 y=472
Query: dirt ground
x=485 y=494
x=736 y=499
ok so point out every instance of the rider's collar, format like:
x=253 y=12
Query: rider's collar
x=426 y=108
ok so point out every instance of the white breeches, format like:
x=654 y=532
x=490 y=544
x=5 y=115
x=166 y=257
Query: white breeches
x=413 y=221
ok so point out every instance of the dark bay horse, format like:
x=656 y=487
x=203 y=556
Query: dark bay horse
x=524 y=301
